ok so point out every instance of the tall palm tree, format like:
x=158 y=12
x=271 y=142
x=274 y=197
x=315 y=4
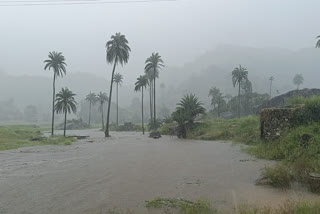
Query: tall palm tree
x=102 y=98
x=154 y=63
x=92 y=99
x=271 y=80
x=118 y=51
x=56 y=62
x=298 y=80
x=216 y=98
x=238 y=75
x=65 y=103
x=141 y=83
x=118 y=80
x=150 y=75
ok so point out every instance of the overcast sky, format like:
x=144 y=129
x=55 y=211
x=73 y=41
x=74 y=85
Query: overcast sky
x=179 y=31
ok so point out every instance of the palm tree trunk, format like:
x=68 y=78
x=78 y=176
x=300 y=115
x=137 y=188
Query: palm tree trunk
x=89 y=113
x=102 y=117
x=65 y=123
x=154 y=99
x=142 y=112
x=53 y=101
x=150 y=86
x=239 y=101
x=117 y=105
x=109 y=104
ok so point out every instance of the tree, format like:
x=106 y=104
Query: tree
x=118 y=80
x=318 y=42
x=56 y=62
x=187 y=109
x=102 y=98
x=238 y=75
x=271 y=80
x=298 y=80
x=216 y=99
x=154 y=63
x=65 y=103
x=150 y=75
x=92 y=99
x=118 y=51
x=141 y=83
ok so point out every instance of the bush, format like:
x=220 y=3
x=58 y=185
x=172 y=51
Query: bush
x=278 y=176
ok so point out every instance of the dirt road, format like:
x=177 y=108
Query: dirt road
x=127 y=169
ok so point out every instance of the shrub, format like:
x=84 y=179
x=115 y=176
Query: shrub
x=278 y=176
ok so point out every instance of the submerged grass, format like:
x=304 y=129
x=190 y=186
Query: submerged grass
x=17 y=136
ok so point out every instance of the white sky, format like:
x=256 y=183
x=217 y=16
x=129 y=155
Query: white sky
x=179 y=31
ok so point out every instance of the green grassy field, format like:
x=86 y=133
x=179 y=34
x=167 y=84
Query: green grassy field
x=16 y=136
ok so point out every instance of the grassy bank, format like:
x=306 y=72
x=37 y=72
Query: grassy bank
x=17 y=136
x=181 y=206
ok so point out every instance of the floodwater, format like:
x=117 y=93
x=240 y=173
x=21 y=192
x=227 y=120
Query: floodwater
x=126 y=170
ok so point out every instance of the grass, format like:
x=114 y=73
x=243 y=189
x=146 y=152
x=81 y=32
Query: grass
x=180 y=206
x=17 y=136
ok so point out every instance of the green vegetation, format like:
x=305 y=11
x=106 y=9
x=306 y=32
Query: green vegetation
x=102 y=98
x=238 y=76
x=17 y=136
x=298 y=80
x=184 y=206
x=57 y=62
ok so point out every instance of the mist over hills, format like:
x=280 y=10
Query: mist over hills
x=213 y=68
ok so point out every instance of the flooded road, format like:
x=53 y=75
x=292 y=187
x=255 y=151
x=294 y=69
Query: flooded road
x=128 y=169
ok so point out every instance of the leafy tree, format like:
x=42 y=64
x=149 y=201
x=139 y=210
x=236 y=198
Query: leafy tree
x=102 y=98
x=65 y=103
x=318 y=42
x=118 y=80
x=187 y=109
x=118 y=51
x=56 y=62
x=298 y=80
x=141 y=83
x=92 y=99
x=271 y=79
x=154 y=63
x=239 y=74
x=216 y=99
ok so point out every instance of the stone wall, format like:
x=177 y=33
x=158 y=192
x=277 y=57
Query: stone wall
x=275 y=121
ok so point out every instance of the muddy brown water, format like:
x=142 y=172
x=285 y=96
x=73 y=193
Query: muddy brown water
x=126 y=170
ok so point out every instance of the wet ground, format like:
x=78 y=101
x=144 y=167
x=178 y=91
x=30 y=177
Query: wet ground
x=127 y=169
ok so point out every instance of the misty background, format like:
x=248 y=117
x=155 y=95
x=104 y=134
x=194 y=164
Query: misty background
x=200 y=41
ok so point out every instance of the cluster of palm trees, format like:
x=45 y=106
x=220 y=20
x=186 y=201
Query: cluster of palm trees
x=153 y=65
x=100 y=98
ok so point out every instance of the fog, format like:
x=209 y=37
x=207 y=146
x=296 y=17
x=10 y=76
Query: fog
x=200 y=42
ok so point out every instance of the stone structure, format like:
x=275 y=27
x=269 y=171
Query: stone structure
x=282 y=100
x=275 y=121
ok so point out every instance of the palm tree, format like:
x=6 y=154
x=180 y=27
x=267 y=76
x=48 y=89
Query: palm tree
x=92 y=99
x=154 y=63
x=118 y=80
x=238 y=75
x=102 y=98
x=187 y=109
x=298 y=80
x=118 y=51
x=56 y=61
x=150 y=75
x=271 y=80
x=141 y=83
x=65 y=103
